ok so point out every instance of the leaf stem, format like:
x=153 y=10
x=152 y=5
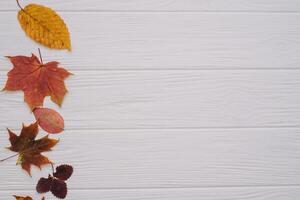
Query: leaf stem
x=52 y=166
x=20 y=5
x=40 y=55
x=9 y=157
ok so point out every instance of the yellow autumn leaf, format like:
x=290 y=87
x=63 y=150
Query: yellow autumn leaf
x=45 y=26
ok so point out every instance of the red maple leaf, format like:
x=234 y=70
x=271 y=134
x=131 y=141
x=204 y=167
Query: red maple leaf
x=37 y=80
x=29 y=148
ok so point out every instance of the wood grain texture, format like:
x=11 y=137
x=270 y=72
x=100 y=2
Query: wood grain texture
x=170 y=99
x=164 y=5
x=276 y=193
x=168 y=41
x=139 y=159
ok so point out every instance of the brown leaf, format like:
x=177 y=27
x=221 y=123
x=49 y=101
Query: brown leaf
x=30 y=149
x=44 y=184
x=22 y=198
x=25 y=198
x=59 y=188
x=37 y=80
x=49 y=120
x=56 y=183
x=63 y=172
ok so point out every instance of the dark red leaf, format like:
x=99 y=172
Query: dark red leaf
x=59 y=188
x=44 y=185
x=63 y=172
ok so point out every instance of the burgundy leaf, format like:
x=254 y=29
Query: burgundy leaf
x=59 y=188
x=44 y=185
x=63 y=172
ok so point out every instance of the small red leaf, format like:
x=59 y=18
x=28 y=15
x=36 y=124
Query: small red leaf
x=63 y=172
x=49 y=120
x=44 y=185
x=59 y=188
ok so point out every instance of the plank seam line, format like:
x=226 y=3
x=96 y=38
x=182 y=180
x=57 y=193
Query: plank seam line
x=178 y=128
x=188 y=128
x=175 y=69
x=173 y=188
x=171 y=11
x=193 y=187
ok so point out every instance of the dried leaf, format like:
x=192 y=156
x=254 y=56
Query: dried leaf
x=30 y=149
x=44 y=185
x=37 y=80
x=25 y=198
x=22 y=198
x=63 y=172
x=49 y=120
x=45 y=26
x=59 y=188
x=56 y=183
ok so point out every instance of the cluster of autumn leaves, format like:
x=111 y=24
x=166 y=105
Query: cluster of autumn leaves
x=39 y=80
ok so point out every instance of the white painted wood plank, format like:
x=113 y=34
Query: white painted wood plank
x=168 y=41
x=276 y=193
x=131 y=159
x=170 y=99
x=163 y=5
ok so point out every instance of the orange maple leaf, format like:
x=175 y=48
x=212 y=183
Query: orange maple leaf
x=30 y=149
x=37 y=80
x=22 y=198
x=25 y=198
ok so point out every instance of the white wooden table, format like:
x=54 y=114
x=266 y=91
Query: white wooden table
x=171 y=99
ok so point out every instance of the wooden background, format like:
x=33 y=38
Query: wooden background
x=171 y=99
